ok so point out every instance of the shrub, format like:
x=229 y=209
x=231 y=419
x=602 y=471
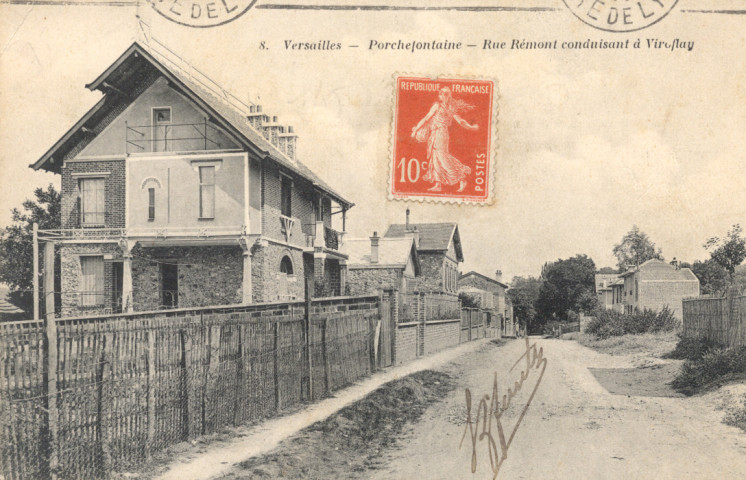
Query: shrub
x=713 y=368
x=608 y=323
x=691 y=348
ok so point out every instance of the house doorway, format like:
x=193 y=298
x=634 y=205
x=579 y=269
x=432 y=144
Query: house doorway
x=169 y=285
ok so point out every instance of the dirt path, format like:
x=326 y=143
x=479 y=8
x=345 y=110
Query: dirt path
x=574 y=427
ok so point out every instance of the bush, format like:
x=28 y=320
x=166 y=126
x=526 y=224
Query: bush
x=691 y=348
x=713 y=368
x=608 y=323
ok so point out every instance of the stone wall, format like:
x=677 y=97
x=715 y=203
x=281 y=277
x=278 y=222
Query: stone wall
x=70 y=276
x=267 y=284
x=207 y=276
x=656 y=295
x=431 y=271
x=363 y=281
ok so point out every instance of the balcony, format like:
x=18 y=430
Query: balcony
x=175 y=137
x=319 y=235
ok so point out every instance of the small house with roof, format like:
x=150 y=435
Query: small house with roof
x=376 y=264
x=177 y=194
x=502 y=305
x=603 y=289
x=439 y=251
x=656 y=284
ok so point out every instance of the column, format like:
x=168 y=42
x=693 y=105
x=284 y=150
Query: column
x=246 y=285
x=127 y=306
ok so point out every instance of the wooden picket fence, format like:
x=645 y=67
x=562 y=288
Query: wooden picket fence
x=85 y=397
x=721 y=320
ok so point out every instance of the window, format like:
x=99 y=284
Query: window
x=286 y=189
x=151 y=204
x=92 y=203
x=169 y=273
x=286 y=266
x=92 y=281
x=207 y=192
x=162 y=129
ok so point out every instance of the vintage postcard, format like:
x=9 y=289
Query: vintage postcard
x=372 y=239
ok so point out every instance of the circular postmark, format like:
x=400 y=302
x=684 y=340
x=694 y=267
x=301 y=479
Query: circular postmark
x=202 y=13
x=620 y=15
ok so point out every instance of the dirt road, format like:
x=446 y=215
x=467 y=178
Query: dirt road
x=574 y=428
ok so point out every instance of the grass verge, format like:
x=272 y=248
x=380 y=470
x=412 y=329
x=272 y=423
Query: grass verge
x=714 y=368
x=654 y=344
x=350 y=442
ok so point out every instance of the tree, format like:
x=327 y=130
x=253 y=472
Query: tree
x=635 y=249
x=568 y=287
x=607 y=270
x=728 y=252
x=524 y=292
x=16 y=244
x=713 y=278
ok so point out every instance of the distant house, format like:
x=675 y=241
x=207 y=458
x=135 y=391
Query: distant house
x=176 y=194
x=656 y=284
x=502 y=305
x=439 y=251
x=377 y=263
x=603 y=289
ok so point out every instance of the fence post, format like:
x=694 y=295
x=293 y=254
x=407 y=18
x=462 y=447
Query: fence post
x=469 y=315
x=104 y=417
x=276 y=334
x=150 y=358
x=51 y=392
x=325 y=355
x=307 y=328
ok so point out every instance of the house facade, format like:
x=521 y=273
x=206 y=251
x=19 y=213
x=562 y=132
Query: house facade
x=502 y=305
x=175 y=194
x=603 y=283
x=376 y=264
x=438 y=250
x=656 y=284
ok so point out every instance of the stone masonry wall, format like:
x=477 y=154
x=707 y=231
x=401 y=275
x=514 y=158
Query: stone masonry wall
x=431 y=271
x=70 y=275
x=656 y=295
x=265 y=272
x=362 y=281
x=207 y=276
x=114 y=186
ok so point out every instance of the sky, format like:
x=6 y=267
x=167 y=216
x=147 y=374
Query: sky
x=589 y=143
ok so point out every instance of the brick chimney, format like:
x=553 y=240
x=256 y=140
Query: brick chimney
x=407 y=224
x=256 y=117
x=499 y=275
x=287 y=142
x=374 y=247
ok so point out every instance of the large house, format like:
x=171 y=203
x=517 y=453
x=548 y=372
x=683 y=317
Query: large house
x=176 y=194
x=377 y=264
x=439 y=251
x=655 y=284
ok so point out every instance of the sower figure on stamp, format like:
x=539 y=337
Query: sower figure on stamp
x=443 y=168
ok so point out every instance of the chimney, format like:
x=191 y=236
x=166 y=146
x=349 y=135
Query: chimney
x=255 y=116
x=287 y=142
x=499 y=275
x=414 y=234
x=407 y=224
x=272 y=130
x=374 y=248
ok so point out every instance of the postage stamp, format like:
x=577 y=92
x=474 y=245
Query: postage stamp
x=202 y=13
x=616 y=16
x=443 y=137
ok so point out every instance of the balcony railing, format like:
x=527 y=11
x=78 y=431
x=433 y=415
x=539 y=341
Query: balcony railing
x=319 y=235
x=175 y=137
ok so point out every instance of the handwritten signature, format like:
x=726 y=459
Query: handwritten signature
x=491 y=408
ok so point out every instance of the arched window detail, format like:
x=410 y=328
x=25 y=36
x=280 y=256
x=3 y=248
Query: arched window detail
x=286 y=265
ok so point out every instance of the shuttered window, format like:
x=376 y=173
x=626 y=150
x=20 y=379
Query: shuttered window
x=151 y=204
x=92 y=204
x=207 y=192
x=92 y=281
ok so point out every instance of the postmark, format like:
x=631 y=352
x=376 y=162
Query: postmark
x=443 y=135
x=620 y=15
x=202 y=13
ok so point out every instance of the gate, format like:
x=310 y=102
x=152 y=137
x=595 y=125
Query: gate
x=386 y=336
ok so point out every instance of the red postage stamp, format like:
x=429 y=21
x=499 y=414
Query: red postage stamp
x=443 y=134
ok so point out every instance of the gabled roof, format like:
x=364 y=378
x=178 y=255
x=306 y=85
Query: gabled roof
x=392 y=253
x=134 y=65
x=483 y=277
x=655 y=269
x=433 y=236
